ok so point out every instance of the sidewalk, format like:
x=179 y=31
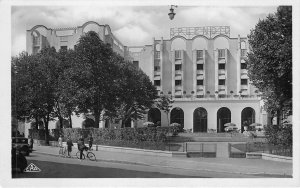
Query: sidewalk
x=226 y=165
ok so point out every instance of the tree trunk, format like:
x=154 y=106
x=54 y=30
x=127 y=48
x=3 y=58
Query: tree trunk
x=36 y=123
x=59 y=115
x=97 y=119
x=46 y=122
x=278 y=117
x=70 y=120
x=168 y=119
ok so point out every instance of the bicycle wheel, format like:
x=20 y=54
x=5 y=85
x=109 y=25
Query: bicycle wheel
x=65 y=152
x=78 y=155
x=91 y=156
x=60 y=152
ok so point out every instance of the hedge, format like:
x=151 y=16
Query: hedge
x=279 y=135
x=136 y=135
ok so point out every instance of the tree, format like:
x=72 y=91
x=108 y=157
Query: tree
x=35 y=81
x=136 y=93
x=270 y=60
x=67 y=88
x=94 y=75
x=164 y=103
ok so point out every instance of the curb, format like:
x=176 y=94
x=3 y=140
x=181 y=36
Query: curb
x=98 y=160
x=173 y=167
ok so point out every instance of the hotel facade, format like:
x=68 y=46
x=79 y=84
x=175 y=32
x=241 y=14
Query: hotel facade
x=203 y=68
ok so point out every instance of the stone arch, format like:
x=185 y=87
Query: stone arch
x=199 y=43
x=87 y=123
x=177 y=116
x=89 y=22
x=223 y=117
x=200 y=120
x=178 y=43
x=154 y=115
x=221 y=42
x=247 y=117
x=93 y=26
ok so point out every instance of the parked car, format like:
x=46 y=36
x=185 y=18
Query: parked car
x=18 y=161
x=21 y=144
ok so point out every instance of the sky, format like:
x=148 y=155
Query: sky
x=134 y=25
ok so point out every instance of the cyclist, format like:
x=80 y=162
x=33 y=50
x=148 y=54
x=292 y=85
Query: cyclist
x=69 y=145
x=81 y=146
x=90 y=142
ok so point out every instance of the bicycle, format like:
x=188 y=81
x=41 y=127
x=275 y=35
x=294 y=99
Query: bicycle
x=88 y=154
x=62 y=151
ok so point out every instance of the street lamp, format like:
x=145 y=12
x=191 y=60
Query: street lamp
x=172 y=14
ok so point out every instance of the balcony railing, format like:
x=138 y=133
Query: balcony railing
x=36 y=41
x=178 y=54
x=189 y=97
x=243 y=53
x=157 y=55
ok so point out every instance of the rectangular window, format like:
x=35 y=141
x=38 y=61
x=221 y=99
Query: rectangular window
x=64 y=47
x=244 y=81
x=243 y=66
x=199 y=82
x=177 y=67
x=136 y=64
x=199 y=66
x=199 y=54
x=36 y=49
x=221 y=53
x=243 y=52
x=36 y=40
x=157 y=55
x=221 y=66
x=221 y=82
x=177 y=82
x=177 y=54
x=157 y=82
x=156 y=68
x=63 y=39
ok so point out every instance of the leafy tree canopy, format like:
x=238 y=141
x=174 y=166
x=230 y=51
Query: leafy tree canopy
x=270 y=60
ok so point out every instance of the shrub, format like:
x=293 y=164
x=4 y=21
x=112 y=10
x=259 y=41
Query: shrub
x=150 y=134
x=281 y=135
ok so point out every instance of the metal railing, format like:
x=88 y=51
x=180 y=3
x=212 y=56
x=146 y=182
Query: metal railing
x=194 y=149
x=240 y=150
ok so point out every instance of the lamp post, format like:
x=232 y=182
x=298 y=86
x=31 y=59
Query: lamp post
x=172 y=14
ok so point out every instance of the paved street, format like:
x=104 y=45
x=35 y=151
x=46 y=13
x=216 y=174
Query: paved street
x=116 y=164
x=66 y=170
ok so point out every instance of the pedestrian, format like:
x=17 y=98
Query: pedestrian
x=60 y=144
x=31 y=143
x=81 y=146
x=90 y=141
x=69 y=145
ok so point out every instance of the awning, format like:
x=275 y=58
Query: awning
x=244 y=76
x=222 y=76
x=178 y=62
x=244 y=92
x=222 y=61
x=222 y=92
x=200 y=61
x=200 y=77
x=178 y=77
x=156 y=78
